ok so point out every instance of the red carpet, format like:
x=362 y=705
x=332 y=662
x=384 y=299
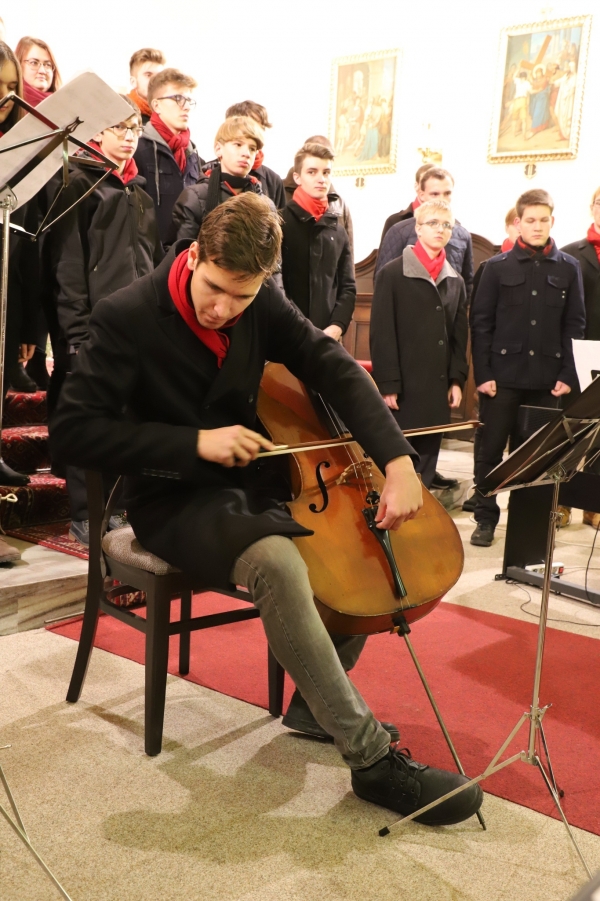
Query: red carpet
x=480 y=668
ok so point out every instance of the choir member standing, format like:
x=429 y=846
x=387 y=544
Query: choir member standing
x=409 y=211
x=166 y=156
x=317 y=269
x=419 y=333
x=270 y=181
x=143 y=65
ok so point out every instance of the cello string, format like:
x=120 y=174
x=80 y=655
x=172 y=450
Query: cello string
x=355 y=463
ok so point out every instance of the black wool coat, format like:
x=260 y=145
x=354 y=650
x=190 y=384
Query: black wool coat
x=144 y=384
x=585 y=255
x=524 y=316
x=402 y=216
x=164 y=179
x=108 y=240
x=418 y=338
x=271 y=184
x=317 y=267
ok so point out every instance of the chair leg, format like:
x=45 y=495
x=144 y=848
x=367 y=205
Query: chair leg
x=86 y=640
x=276 y=682
x=157 y=658
x=184 y=637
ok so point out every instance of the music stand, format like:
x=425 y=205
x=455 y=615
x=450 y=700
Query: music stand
x=550 y=457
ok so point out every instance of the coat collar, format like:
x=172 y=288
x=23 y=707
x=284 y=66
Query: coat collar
x=588 y=252
x=328 y=219
x=413 y=268
x=524 y=255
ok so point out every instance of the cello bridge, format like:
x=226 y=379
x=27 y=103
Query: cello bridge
x=360 y=469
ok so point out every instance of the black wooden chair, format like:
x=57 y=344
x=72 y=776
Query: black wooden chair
x=117 y=555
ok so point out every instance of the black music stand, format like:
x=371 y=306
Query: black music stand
x=550 y=457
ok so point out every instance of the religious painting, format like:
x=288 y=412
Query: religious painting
x=540 y=92
x=363 y=116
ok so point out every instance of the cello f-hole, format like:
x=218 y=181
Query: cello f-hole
x=322 y=486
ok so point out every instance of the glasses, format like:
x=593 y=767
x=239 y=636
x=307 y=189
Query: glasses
x=38 y=64
x=121 y=130
x=180 y=99
x=435 y=224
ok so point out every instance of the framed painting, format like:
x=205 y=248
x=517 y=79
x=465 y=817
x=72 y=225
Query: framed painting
x=539 y=95
x=363 y=117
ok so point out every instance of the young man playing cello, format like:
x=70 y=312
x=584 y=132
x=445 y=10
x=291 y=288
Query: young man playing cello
x=166 y=389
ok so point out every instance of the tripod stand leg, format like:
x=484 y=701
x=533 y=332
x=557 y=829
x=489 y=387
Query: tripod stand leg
x=30 y=848
x=558 y=790
x=438 y=715
x=556 y=800
x=13 y=803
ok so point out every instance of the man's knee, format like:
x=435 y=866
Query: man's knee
x=274 y=561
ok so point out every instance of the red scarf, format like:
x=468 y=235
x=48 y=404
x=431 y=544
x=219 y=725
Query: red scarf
x=130 y=170
x=532 y=251
x=177 y=142
x=34 y=96
x=507 y=245
x=139 y=101
x=258 y=160
x=416 y=203
x=434 y=266
x=594 y=239
x=179 y=289
x=312 y=205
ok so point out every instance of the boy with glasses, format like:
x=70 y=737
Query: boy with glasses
x=108 y=240
x=419 y=333
x=166 y=156
x=142 y=66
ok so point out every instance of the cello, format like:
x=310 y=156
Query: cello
x=365 y=580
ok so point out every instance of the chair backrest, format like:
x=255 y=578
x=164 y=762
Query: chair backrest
x=99 y=511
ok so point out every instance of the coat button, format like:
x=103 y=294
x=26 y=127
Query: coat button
x=532 y=353
x=440 y=342
x=442 y=376
x=533 y=321
x=503 y=351
x=558 y=355
x=534 y=293
x=250 y=398
x=206 y=407
x=438 y=308
x=537 y=263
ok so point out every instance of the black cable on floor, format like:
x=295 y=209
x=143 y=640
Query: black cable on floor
x=570 y=622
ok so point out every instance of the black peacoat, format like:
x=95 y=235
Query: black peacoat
x=418 y=338
x=525 y=314
x=585 y=255
x=144 y=384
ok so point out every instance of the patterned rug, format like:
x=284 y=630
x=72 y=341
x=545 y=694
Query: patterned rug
x=24 y=409
x=54 y=535
x=44 y=500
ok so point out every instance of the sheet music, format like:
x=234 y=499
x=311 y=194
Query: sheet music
x=86 y=96
x=587 y=361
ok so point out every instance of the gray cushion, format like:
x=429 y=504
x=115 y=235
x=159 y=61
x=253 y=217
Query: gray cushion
x=123 y=546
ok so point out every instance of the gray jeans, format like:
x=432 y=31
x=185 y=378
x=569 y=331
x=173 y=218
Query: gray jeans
x=277 y=578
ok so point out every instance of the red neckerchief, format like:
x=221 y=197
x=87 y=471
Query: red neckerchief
x=507 y=244
x=258 y=160
x=130 y=170
x=177 y=142
x=532 y=251
x=179 y=289
x=434 y=266
x=416 y=203
x=594 y=239
x=312 y=205
x=34 y=96
x=139 y=101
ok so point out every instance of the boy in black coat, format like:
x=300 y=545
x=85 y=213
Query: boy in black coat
x=182 y=352
x=108 y=240
x=270 y=181
x=419 y=333
x=166 y=155
x=317 y=269
x=236 y=144
x=528 y=308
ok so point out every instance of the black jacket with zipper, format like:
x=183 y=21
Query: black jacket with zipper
x=107 y=242
x=190 y=209
x=164 y=179
x=317 y=268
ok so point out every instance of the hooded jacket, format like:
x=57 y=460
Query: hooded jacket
x=107 y=242
x=164 y=179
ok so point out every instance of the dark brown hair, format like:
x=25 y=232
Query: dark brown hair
x=250 y=108
x=434 y=172
x=535 y=197
x=318 y=150
x=242 y=235
x=168 y=76
x=24 y=46
x=16 y=113
x=320 y=139
x=146 y=55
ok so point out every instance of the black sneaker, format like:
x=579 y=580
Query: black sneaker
x=403 y=785
x=483 y=534
x=19 y=380
x=441 y=483
x=300 y=719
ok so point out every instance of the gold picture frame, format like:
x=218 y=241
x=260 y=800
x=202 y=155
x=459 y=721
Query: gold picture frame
x=363 y=114
x=541 y=78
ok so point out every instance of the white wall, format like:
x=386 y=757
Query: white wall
x=281 y=56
